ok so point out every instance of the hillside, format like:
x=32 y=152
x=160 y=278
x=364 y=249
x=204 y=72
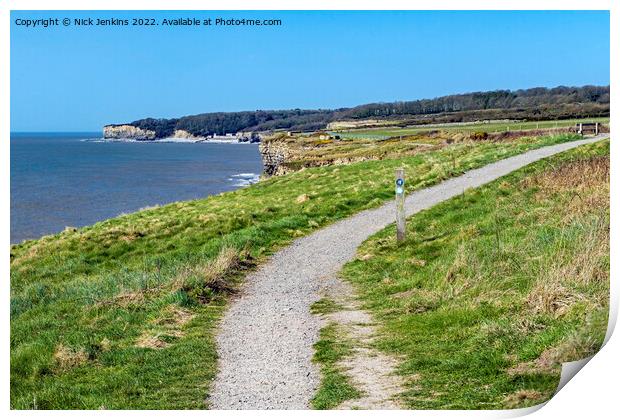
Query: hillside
x=527 y=104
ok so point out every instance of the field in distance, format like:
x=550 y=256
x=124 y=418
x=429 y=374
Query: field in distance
x=488 y=127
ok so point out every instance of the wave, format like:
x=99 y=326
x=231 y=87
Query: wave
x=94 y=140
x=244 y=179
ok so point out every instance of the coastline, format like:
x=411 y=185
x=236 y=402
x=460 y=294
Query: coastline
x=168 y=140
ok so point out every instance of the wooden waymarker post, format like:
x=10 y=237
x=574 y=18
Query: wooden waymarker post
x=400 y=205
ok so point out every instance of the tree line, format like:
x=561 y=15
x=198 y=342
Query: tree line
x=530 y=104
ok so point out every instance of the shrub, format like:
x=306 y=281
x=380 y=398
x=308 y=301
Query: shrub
x=479 y=135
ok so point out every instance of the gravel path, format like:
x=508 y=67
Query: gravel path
x=266 y=336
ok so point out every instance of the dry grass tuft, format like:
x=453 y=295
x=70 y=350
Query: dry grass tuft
x=131 y=235
x=214 y=276
x=423 y=300
x=126 y=299
x=150 y=341
x=522 y=397
x=585 y=180
x=32 y=252
x=215 y=273
x=302 y=198
x=105 y=344
x=550 y=296
x=164 y=329
x=404 y=295
x=416 y=262
x=115 y=234
x=547 y=362
x=586 y=267
x=554 y=291
x=205 y=218
x=576 y=347
x=579 y=174
x=68 y=358
x=174 y=317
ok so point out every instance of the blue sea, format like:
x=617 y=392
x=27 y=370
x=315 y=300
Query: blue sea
x=77 y=179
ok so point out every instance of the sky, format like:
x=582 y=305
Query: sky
x=81 y=78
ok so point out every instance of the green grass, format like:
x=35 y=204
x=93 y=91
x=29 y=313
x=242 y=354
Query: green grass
x=121 y=314
x=325 y=306
x=494 y=288
x=335 y=386
x=492 y=127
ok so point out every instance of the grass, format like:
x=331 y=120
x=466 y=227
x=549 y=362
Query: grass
x=121 y=314
x=335 y=386
x=490 y=127
x=325 y=306
x=331 y=349
x=493 y=289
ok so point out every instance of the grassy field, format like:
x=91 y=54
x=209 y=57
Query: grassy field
x=121 y=314
x=493 y=289
x=492 y=127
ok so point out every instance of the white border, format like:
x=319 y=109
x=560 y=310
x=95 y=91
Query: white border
x=593 y=393
x=308 y=5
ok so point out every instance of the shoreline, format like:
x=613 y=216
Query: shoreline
x=168 y=140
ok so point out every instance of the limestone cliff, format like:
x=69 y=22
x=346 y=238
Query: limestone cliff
x=127 y=131
x=274 y=155
x=182 y=134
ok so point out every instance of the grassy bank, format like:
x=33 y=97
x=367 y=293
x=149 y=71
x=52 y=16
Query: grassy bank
x=493 y=289
x=121 y=314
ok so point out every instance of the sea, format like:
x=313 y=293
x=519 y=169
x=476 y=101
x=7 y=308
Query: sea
x=77 y=179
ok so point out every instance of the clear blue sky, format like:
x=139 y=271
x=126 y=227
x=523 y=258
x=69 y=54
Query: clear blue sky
x=78 y=79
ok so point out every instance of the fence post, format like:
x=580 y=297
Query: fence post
x=596 y=129
x=400 y=205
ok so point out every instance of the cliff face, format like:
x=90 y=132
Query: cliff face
x=182 y=134
x=127 y=132
x=274 y=155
